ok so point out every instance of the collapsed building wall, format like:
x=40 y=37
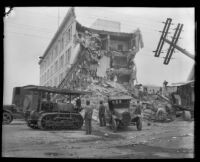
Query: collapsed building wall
x=103 y=55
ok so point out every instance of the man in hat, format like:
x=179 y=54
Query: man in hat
x=88 y=117
x=102 y=119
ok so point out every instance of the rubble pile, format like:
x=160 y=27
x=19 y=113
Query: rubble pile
x=100 y=90
x=96 y=60
x=107 y=72
x=157 y=109
x=84 y=74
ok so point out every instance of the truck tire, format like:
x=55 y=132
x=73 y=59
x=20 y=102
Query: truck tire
x=161 y=114
x=114 y=125
x=186 y=115
x=7 y=117
x=139 y=124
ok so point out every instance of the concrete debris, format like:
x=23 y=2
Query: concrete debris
x=106 y=134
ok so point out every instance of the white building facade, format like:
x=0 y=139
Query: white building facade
x=55 y=62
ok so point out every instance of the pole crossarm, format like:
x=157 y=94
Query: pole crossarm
x=174 y=42
x=163 y=35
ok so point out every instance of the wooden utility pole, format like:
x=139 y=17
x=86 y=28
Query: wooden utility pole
x=164 y=35
x=180 y=49
x=173 y=43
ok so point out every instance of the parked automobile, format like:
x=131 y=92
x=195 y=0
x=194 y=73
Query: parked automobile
x=119 y=113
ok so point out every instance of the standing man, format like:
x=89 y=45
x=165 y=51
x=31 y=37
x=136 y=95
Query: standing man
x=88 y=117
x=138 y=110
x=78 y=105
x=102 y=119
x=164 y=89
x=140 y=92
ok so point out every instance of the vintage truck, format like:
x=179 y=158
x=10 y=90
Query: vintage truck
x=119 y=113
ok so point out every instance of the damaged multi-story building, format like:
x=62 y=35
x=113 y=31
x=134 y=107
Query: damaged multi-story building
x=78 y=55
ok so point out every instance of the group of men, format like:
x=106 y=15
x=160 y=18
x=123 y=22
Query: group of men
x=102 y=120
x=88 y=116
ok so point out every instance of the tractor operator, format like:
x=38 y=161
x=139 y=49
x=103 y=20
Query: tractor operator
x=78 y=105
x=138 y=109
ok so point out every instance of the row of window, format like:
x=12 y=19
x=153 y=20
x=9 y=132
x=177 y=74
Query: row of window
x=58 y=48
x=58 y=64
x=55 y=81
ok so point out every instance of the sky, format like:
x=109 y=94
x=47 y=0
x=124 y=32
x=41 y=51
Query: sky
x=29 y=30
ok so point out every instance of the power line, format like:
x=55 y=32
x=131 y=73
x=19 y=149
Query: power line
x=30 y=28
x=146 y=30
x=122 y=22
x=29 y=35
x=146 y=19
x=123 y=16
x=98 y=16
x=41 y=13
x=131 y=26
x=90 y=16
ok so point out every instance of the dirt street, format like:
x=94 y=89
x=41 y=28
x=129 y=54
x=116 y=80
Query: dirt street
x=158 y=140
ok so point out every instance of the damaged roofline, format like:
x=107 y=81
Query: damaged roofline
x=69 y=13
x=120 y=34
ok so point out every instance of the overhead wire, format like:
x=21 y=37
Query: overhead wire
x=129 y=26
x=31 y=29
x=42 y=13
x=122 y=22
x=40 y=17
x=98 y=16
x=122 y=16
x=102 y=12
x=25 y=34
x=29 y=26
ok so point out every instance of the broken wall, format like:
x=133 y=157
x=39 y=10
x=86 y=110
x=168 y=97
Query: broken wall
x=119 y=45
x=95 y=64
x=103 y=65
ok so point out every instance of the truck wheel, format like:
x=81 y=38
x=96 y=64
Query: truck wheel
x=114 y=125
x=7 y=118
x=139 y=124
x=186 y=115
x=161 y=114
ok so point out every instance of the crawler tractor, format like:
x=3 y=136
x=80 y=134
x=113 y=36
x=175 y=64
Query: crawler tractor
x=49 y=108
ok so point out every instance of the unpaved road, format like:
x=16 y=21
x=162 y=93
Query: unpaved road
x=159 y=140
